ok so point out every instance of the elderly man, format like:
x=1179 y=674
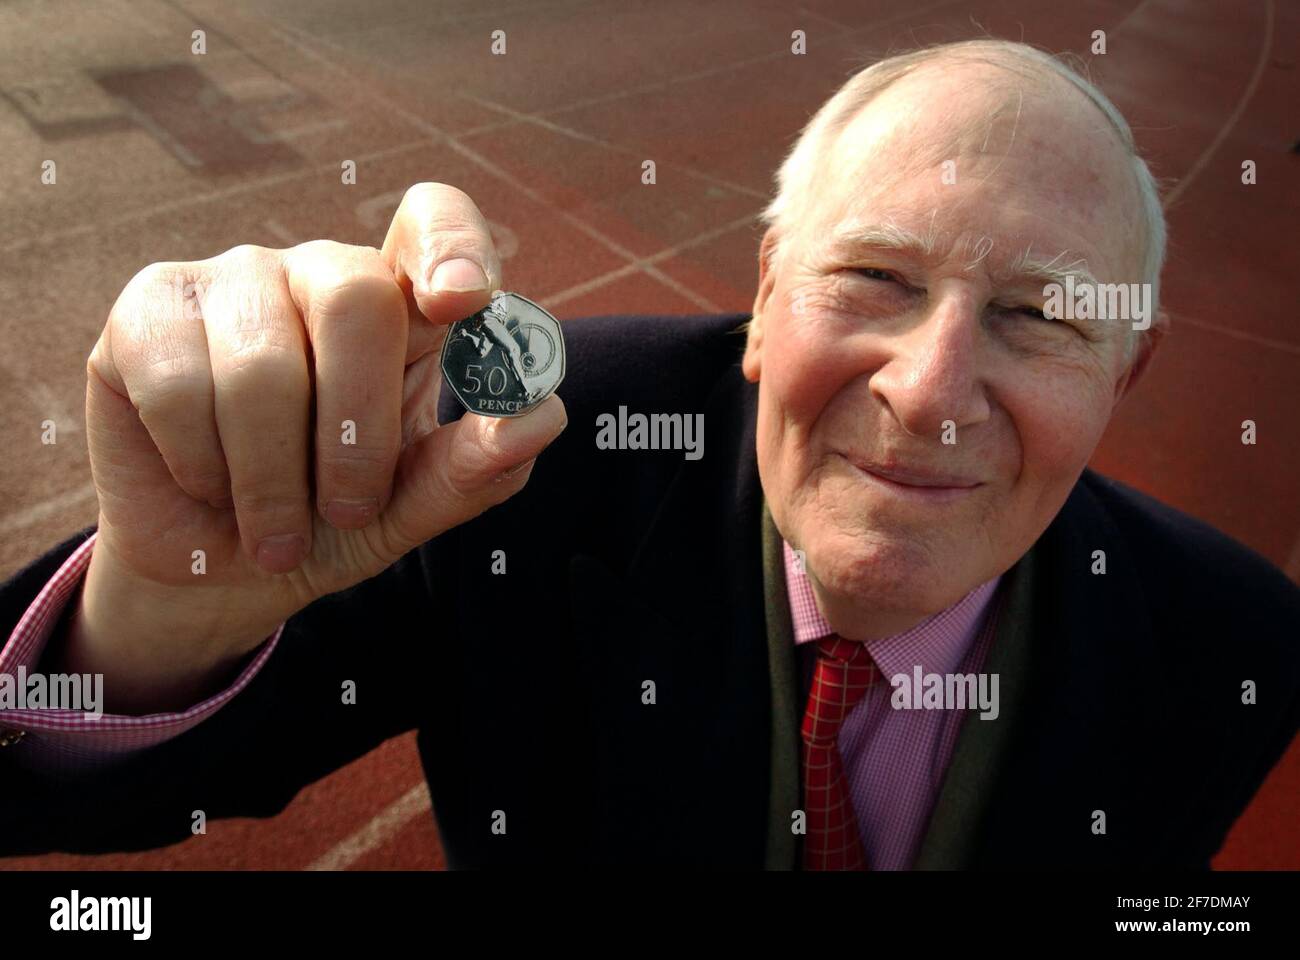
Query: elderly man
x=749 y=659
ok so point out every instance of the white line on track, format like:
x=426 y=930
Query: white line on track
x=378 y=831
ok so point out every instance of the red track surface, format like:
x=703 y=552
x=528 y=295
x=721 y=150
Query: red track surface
x=163 y=155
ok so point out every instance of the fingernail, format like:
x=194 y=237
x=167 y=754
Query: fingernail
x=350 y=514
x=458 y=276
x=280 y=554
x=517 y=469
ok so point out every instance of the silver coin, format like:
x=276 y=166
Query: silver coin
x=506 y=359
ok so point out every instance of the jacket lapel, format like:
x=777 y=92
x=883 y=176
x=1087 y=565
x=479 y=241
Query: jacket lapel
x=785 y=793
x=1092 y=682
x=981 y=747
x=1070 y=649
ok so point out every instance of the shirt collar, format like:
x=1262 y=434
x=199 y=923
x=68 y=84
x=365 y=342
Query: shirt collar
x=937 y=644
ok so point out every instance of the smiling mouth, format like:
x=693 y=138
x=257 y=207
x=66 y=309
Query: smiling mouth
x=915 y=482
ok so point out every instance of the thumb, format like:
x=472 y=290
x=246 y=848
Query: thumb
x=463 y=468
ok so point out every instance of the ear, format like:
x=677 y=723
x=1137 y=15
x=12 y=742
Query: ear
x=1148 y=342
x=752 y=362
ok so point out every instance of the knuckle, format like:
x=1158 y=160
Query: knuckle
x=345 y=281
x=259 y=348
x=470 y=467
x=154 y=275
x=169 y=386
x=203 y=483
x=389 y=540
x=450 y=497
x=494 y=450
x=264 y=502
x=450 y=211
x=465 y=488
x=101 y=370
x=239 y=277
x=434 y=193
x=152 y=271
x=353 y=469
x=448 y=241
x=153 y=290
x=266 y=376
x=244 y=257
x=390 y=300
x=157 y=357
x=368 y=296
x=453 y=224
x=321 y=249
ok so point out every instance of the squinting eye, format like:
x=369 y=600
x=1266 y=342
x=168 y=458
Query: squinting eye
x=871 y=273
x=1033 y=312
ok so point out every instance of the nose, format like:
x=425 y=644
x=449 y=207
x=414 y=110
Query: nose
x=932 y=371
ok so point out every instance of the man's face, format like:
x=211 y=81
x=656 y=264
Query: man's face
x=868 y=355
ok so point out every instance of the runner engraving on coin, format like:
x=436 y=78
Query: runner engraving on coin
x=505 y=359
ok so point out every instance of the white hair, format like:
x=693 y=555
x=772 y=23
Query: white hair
x=797 y=177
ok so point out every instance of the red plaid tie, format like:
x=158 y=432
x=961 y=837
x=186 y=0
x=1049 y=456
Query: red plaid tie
x=844 y=671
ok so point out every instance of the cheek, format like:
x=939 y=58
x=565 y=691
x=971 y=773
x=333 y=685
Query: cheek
x=805 y=360
x=1059 y=419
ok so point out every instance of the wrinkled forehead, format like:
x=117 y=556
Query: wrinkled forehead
x=975 y=151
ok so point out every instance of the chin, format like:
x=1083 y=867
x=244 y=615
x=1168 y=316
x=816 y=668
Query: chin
x=876 y=569
x=859 y=545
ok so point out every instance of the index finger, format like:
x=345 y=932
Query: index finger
x=441 y=253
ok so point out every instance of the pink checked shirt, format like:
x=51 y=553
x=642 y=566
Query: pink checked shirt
x=71 y=741
x=894 y=759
